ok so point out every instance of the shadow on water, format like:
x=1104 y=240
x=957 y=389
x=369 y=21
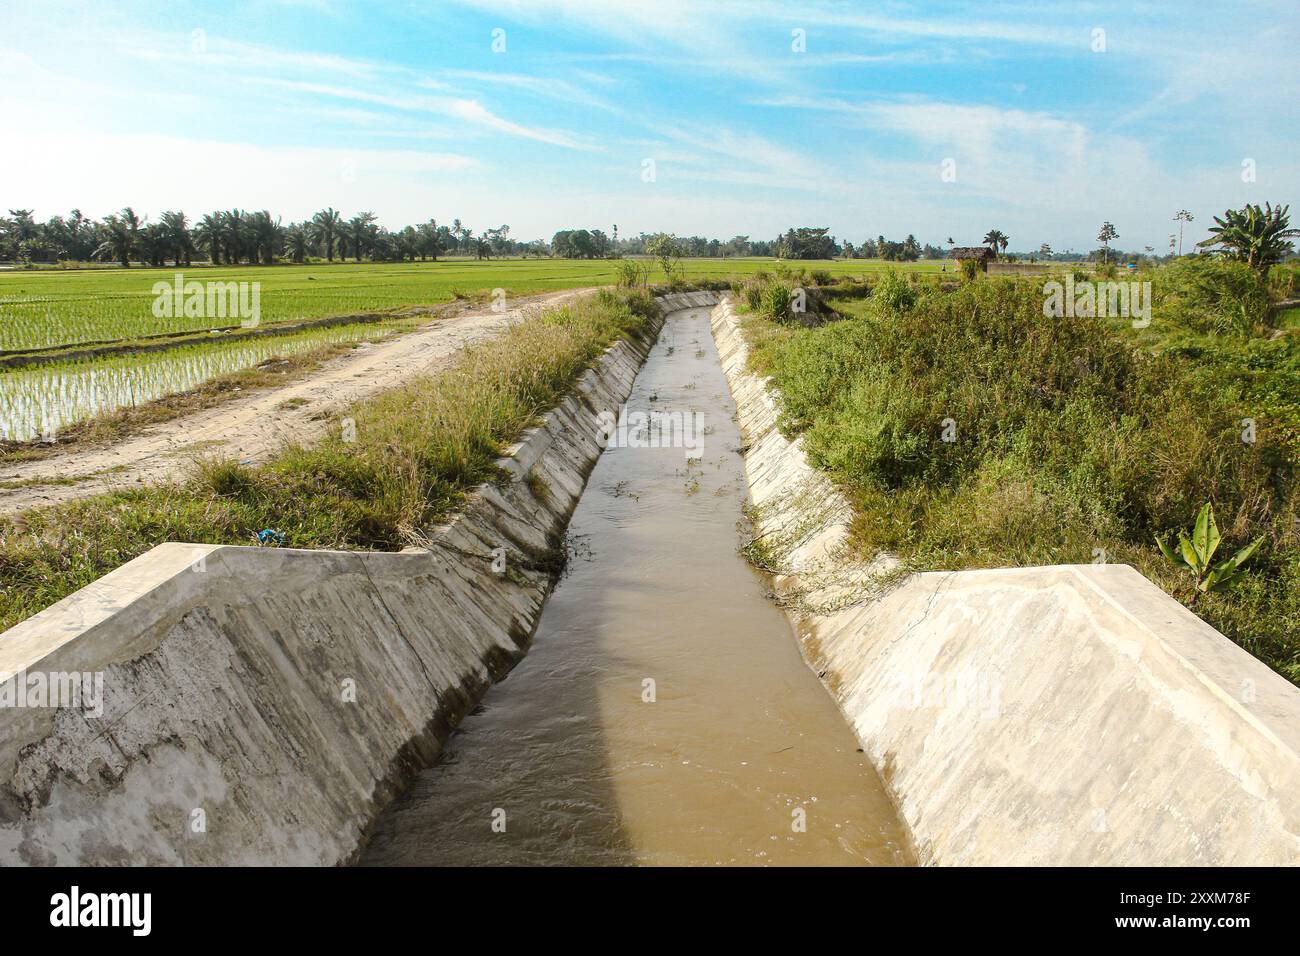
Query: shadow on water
x=663 y=714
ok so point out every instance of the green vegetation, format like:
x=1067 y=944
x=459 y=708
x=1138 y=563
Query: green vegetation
x=970 y=430
x=1257 y=237
x=1196 y=554
x=44 y=309
x=417 y=451
x=66 y=315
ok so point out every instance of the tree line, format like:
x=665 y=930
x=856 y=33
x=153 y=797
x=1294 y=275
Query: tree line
x=236 y=236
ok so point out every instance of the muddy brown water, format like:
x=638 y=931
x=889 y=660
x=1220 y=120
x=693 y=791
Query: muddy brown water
x=734 y=755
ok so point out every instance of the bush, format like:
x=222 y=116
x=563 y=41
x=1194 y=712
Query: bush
x=893 y=293
x=775 y=301
x=970 y=269
x=1284 y=280
x=632 y=274
x=1066 y=440
x=1211 y=294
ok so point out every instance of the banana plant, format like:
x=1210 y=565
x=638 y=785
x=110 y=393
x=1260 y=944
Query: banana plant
x=1195 y=554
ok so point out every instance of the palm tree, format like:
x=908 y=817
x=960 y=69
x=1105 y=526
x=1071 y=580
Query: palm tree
x=324 y=227
x=996 y=240
x=233 y=231
x=429 y=240
x=298 y=241
x=266 y=237
x=1257 y=237
x=123 y=235
x=208 y=233
x=81 y=231
x=153 y=244
x=359 y=230
x=176 y=232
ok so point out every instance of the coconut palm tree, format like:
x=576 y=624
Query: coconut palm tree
x=429 y=241
x=996 y=240
x=325 y=227
x=1257 y=237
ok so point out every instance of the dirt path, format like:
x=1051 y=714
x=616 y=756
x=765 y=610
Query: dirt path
x=254 y=427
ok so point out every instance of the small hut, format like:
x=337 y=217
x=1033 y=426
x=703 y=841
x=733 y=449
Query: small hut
x=982 y=254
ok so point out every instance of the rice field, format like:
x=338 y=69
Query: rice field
x=48 y=309
x=55 y=308
x=39 y=401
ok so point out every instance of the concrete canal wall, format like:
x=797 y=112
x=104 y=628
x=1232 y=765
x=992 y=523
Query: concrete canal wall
x=262 y=705
x=1056 y=715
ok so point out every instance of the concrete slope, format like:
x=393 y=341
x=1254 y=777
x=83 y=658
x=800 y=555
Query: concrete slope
x=1057 y=715
x=263 y=705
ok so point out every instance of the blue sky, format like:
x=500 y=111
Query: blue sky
x=406 y=109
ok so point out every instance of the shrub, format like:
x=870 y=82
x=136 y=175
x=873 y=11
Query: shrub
x=1284 y=280
x=893 y=293
x=1067 y=439
x=1211 y=294
x=632 y=274
x=775 y=301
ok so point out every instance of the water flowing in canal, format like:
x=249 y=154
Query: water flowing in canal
x=663 y=714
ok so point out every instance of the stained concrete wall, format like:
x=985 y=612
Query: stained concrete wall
x=1057 y=715
x=261 y=706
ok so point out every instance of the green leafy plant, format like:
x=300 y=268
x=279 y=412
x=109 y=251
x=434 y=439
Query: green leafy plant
x=1257 y=237
x=1196 y=553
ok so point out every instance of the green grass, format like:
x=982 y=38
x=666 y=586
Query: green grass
x=1071 y=442
x=418 y=450
x=46 y=309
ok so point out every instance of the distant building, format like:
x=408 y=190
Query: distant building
x=983 y=254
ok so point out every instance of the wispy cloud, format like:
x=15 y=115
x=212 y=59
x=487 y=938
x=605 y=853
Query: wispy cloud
x=542 y=86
